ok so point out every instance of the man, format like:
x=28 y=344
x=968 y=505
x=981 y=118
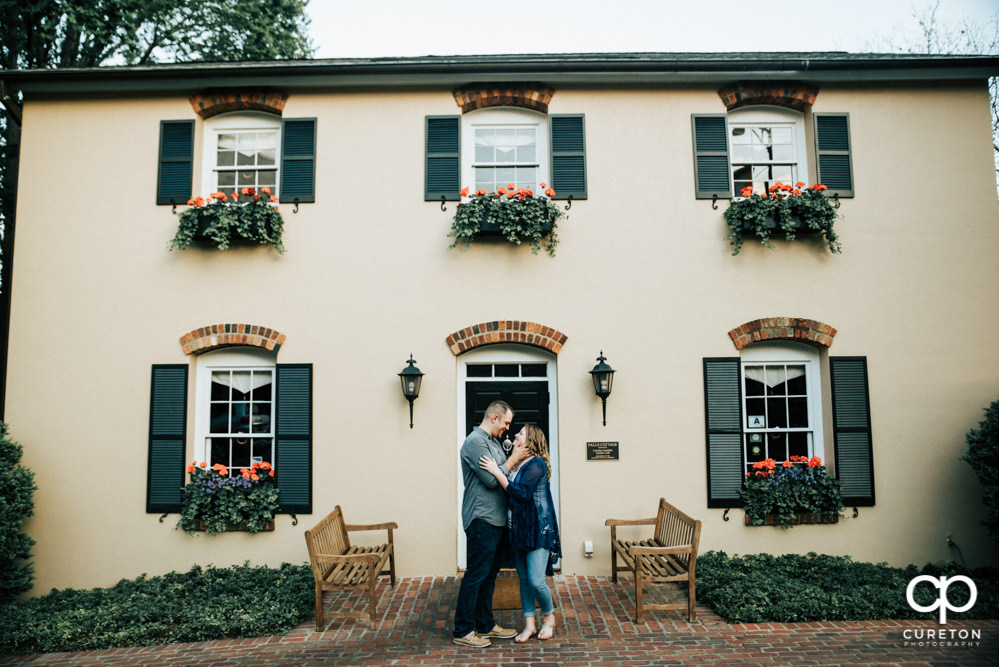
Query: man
x=484 y=518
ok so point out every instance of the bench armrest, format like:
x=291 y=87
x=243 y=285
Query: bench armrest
x=372 y=526
x=630 y=522
x=679 y=549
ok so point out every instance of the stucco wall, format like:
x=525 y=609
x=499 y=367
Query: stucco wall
x=642 y=272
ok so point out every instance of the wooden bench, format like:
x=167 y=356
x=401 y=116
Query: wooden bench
x=670 y=555
x=338 y=565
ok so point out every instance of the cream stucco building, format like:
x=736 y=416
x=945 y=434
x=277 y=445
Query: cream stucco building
x=116 y=342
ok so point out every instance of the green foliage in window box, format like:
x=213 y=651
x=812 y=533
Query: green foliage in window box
x=761 y=588
x=518 y=214
x=799 y=485
x=983 y=455
x=220 y=220
x=786 y=209
x=17 y=484
x=200 y=605
x=219 y=501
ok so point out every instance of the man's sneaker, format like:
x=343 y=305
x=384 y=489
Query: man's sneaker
x=500 y=633
x=472 y=639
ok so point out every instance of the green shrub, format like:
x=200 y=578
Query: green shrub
x=983 y=455
x=199 y=605
x=16 y=504
x=761 y=588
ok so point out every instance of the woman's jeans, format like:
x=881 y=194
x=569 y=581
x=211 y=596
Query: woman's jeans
x=531 y=566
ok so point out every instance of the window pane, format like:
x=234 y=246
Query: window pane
x=797 y=444
x=226 y=158
x=219 y=451
x=783 y=173
x=479 y=371
x=261 y=421
x=507 y=370
x=262 y=392
x=227 y=179
x=526 y=154
x=755 y=407
x=777 y=446
x=505 y=154
x=240 y=453
x=263 y=450
x=797 y=412
x=227 y=142
x=244 y=158
x=754 y=383
x=219 y=418
x=796 y=385
x=505 y=175
x=246 y=178
x=533 y=370
x=776 y=413
x=483 y=154
x=265 y=157
x=220 y=385
x=755 y=448
x=240 y=422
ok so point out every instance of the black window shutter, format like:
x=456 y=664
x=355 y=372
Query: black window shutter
x=442 y=177
x=852 y=429
x=568 y=148
x=723 y=420
x=293 y=438
x=298 y=160
x=167 y=433
x=712 y=174
x=176 y=160
x=832 y=153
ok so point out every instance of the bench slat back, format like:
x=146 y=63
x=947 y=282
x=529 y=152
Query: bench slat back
x=330 y=536
x=674 y=528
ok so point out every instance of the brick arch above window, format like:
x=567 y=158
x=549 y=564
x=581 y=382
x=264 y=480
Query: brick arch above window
x=790 y=94
x=216 y=336
x=797 y=329
x=217 y=101
x=534 y=96
x=506 y=331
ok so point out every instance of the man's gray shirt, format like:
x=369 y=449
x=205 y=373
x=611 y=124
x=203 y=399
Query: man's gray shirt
x=484 y=498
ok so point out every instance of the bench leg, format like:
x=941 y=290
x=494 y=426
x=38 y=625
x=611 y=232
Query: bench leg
x=691 y=600
x=319 y=608
x=372 y=577
x=392 y=566
x=638 y=589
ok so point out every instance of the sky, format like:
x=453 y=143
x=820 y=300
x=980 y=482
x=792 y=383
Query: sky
x=383 y=28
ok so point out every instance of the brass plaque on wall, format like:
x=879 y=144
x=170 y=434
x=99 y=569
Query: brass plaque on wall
x=602 y=451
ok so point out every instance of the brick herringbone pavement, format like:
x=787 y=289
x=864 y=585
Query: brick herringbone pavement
x=594 y=626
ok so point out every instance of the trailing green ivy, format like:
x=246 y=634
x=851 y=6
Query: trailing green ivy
x=222 y=219
x=519 y=216
x=797 y=486
x=218 y=501
x=17 y=484
x=786 y=209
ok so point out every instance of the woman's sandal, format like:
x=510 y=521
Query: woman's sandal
x=550 y=627
x=524 y=635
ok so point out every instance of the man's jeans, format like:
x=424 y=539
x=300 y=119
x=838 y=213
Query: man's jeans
x=483 y=556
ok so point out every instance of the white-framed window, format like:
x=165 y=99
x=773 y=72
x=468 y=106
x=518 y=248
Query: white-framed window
x=241 y=150
x=766 y=146
x=782 y=402
x=234 y=411
x=501 y=146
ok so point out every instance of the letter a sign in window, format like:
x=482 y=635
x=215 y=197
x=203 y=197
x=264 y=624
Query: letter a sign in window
x=756 y=421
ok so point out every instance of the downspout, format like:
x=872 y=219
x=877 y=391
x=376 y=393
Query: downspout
x=13 y=132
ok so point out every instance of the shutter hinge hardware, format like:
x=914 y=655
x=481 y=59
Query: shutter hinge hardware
x=295 y=210
x=856 y=512
x=725 y=514
x=174 y=203
x=294 y=519
x=836 y=201
x=443 y=199
x=714 y=206
x=163 y=516
x=569 y=205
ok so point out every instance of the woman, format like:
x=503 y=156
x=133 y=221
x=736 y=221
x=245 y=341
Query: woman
x=533 y=529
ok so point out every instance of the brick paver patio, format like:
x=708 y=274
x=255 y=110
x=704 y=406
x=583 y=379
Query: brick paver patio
x=595 y=626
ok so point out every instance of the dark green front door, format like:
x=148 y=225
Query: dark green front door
x=529 y=400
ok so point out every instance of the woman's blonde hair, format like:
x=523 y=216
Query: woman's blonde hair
x=537 y=445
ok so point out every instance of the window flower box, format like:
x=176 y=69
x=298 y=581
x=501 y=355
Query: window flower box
x=786 y=209
x=214 y=501
x=516 y=215
x=222 y=220
x=794 y=492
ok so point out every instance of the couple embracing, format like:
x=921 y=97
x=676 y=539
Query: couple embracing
x=506 y=506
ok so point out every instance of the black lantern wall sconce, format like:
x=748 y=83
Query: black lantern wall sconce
x=603 y=379
x=411 y=378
